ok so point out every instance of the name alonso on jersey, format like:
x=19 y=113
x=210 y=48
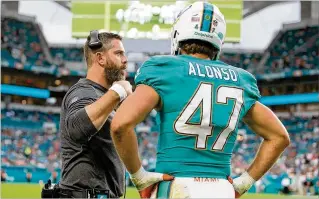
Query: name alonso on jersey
x=208 y=71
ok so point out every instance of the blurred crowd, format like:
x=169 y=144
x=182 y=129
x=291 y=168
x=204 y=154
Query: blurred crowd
x=20 y=42
x=23 y=148
x=60 y=55
x=295 y=49
x=295 y=172
x=34 y=116
x=247 y=61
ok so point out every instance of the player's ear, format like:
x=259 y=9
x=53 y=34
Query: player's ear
x=101 y=58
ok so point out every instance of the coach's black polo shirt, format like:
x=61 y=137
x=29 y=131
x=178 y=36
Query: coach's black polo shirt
x=89 y=158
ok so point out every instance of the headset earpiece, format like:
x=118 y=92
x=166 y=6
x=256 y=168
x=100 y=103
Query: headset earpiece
x=95 y=42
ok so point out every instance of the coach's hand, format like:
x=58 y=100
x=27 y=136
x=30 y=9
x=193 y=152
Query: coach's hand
x=126 y=85
x=123 y=88
x=145 y=181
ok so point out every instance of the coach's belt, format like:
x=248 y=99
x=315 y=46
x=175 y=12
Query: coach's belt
x=87 y=193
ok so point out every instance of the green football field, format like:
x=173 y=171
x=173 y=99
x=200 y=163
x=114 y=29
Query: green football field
x=34 y=191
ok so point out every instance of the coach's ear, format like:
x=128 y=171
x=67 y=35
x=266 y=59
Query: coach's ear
x=101 y=59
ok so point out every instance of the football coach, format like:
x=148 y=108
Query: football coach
x=91 y=166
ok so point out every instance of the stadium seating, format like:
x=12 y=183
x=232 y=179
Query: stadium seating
x=295 y=49
x=40 y=149
x=247 y=61
x=27 y=120
x=20 y=43
x=67 y=54
x=35 y=149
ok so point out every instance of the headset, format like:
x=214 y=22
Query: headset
x=94 y=41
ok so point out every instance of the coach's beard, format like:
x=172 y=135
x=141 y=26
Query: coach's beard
x=113 y=74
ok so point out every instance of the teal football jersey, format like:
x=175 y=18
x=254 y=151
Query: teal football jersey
x=202 y=103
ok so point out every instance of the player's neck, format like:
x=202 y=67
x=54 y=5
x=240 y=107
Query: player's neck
x=197 y=55
x=97 y=77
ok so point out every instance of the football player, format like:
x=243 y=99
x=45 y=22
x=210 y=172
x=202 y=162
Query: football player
x=200 y=101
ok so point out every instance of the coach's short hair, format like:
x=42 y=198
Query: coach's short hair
x=105 y=38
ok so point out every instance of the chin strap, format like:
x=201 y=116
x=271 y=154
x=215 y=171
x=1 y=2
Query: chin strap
x=178 y=52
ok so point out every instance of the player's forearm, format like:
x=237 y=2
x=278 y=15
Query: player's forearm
x=126 y=145
x=99 y=111
x=268 y=153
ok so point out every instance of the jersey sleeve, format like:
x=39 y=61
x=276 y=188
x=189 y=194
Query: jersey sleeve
x=251 y=91
x=150 y=74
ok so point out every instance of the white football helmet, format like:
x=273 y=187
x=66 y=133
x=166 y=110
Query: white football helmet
x=202 y=21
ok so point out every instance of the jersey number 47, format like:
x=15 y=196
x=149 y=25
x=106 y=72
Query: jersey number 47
x=202 y=98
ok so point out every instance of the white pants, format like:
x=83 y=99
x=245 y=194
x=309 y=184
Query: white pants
x=195 y=188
